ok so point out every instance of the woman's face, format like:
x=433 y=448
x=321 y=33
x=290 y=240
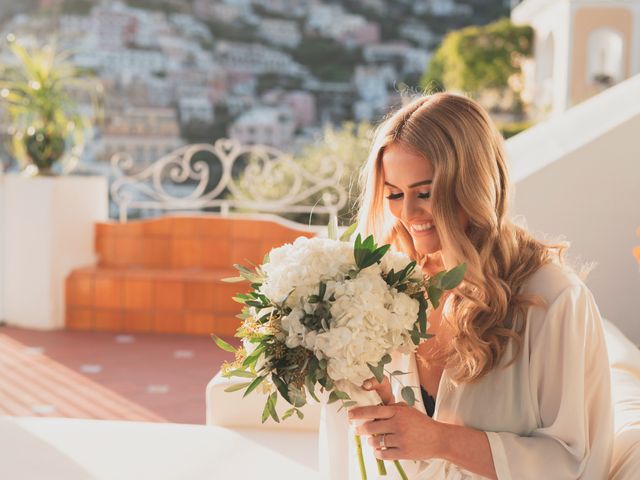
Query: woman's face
x=408 y=180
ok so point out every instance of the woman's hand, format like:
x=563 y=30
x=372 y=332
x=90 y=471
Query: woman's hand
x=408 y=433
x=382 y=388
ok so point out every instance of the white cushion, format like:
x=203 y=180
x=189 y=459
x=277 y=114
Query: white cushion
x=624 y=358
x=79 y=449
x=230 y=410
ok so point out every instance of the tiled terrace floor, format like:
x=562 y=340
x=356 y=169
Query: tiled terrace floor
x=148 y=377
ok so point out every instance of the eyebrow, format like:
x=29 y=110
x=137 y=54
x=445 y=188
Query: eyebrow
x=418 y=184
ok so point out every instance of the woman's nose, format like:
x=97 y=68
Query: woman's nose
x=410 y=209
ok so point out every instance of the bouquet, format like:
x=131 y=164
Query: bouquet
x=326 y=314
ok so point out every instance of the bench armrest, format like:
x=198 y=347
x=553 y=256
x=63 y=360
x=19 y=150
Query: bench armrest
x=229 y=409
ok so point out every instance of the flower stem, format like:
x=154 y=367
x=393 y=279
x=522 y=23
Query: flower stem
x=382 y=470
x=363 y=471
x=400 y=470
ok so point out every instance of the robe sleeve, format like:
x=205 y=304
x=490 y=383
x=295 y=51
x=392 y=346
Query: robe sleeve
x=570 y=385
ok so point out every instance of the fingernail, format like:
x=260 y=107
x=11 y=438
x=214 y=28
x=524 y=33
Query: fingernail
x=367 y=384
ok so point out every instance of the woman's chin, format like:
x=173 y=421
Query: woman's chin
x=426 y=246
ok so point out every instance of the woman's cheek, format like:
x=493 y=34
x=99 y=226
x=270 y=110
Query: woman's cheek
x=395 y=207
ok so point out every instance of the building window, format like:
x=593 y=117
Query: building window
x=605 y=63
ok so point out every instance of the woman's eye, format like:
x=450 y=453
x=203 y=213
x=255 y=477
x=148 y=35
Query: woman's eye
x=394 y=196
x=424 y=195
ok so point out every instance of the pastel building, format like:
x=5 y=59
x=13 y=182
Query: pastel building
x=144 y=133
x=264 y=125
x=285 y=33
x=581 y=48
x=301 y=103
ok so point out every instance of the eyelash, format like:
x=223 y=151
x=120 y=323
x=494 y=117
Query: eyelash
x=396 y=196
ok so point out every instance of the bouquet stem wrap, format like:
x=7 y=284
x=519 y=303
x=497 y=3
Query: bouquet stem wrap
x=365 y=398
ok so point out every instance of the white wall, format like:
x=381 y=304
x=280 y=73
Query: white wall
x=550 y=17
x=578 y=176
x=48 y=230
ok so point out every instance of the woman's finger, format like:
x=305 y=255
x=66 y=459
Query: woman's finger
x=371 y=413
x=382 y=388
x=390 y=441
x=375 y=427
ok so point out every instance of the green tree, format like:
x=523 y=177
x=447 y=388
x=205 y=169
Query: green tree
x=479 y=58
x=326 y=58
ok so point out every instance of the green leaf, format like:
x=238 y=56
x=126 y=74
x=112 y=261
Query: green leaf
x=247 y=274
x=346 y=235
x=336 y=395
x=234 y=279
x=223 y=345
x=408 y=270
x=323 y=290
x=332 y=228
x=288 y=413
x=408 y=395
x=453 y=277
x=281 y=386
x=378 y=371
x=237 y=386
x=241 y=373
x=253 y=303
x=326 y=382
x=373 y=257
x=310 y=388
x=241 y=298
x=271 y=404
x=251 y=359
x=299 y=413
x=385 y=359
x=297 y=396
x=422 y=314
x=252 y=386
x=391 y=277
x=397 y=373
x=434 y=295
x=369 y=243
x=265 y=410
x=313 y=367
x=436 y=280
x=347 y=404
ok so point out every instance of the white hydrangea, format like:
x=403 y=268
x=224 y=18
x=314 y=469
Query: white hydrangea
x=398 y=261
x=369 y=318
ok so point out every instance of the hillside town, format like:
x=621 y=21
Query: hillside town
x=268 y=72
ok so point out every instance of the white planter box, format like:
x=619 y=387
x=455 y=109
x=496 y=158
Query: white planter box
x=47 y=225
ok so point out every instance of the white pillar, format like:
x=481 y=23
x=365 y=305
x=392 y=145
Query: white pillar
x=2 y=242
x=48 y=231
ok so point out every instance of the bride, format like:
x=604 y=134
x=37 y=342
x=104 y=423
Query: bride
x=515 y=384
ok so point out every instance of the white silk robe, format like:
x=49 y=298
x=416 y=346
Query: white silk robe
x=548 y=415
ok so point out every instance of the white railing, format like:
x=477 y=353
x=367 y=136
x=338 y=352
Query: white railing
x=183 y=180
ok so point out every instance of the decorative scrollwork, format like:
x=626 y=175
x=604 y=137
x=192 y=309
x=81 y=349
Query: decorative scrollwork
x=227 y=176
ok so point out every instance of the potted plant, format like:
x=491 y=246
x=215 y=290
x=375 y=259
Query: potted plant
x=37 y=91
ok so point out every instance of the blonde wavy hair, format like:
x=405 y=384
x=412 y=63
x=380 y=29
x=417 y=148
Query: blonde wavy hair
x=466 y=149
